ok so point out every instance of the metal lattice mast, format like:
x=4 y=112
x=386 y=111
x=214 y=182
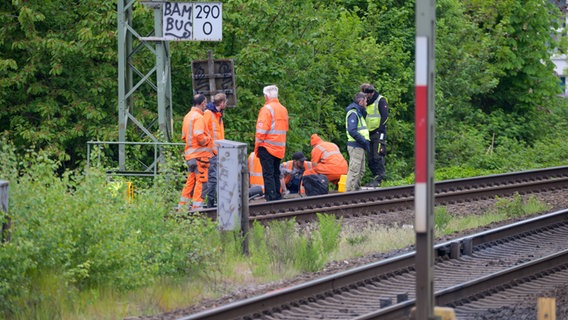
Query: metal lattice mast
x=127 y=89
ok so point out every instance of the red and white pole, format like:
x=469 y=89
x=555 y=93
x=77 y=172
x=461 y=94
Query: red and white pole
x=421 y=134
x=424 y=157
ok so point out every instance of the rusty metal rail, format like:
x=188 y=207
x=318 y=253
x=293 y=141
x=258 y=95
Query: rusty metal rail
x=527 y=277
x=378 y=290
x=383 y=200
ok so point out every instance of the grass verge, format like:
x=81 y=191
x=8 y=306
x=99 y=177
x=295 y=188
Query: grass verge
x=278 y=251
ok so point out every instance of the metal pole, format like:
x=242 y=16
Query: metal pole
x=124 y=73
x=6 y=221
x=424 y=157
x=244 y=202
x=211 y=72
x=126 y=69
x=163 y=75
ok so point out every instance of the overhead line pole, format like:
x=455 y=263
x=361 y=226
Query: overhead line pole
x=130 y=42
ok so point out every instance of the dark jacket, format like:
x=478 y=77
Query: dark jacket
x=383 y=110
x=351 y=124
x=211 y=106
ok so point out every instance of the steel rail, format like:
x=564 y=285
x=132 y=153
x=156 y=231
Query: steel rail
x=258 y=306
x=382 y=200
x=481 y=287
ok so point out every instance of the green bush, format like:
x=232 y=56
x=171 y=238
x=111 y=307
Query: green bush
x=280 y=245
x=282 y=241
x=516 y=207
x=84 y=231
x=259 y=258
x=329 y=230
x=441 y=218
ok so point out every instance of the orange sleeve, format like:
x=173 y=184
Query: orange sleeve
x=207 y=121
x=185 y=128
x=200 y=133
x=316 y=155
x=262 y=126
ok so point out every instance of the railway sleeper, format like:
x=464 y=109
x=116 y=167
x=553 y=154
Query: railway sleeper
x=456 y=249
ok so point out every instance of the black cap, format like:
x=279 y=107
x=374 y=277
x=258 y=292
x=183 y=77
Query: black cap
x=298 y=156
x=369 y=89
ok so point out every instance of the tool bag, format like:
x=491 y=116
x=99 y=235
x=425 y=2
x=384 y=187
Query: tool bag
x=315 y=184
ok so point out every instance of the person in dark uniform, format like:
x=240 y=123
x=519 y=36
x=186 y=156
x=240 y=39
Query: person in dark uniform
x=377 y=116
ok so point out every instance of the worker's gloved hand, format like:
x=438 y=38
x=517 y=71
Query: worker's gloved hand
x=368 y=147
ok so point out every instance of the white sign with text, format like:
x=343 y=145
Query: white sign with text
x=193 y=21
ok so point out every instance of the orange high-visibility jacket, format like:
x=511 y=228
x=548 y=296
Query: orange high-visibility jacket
x=197 y=141
x=327 y=153
x=255 y=171
x=271 y=128
x=215 y=127
x=327 y=159
x=185 y=126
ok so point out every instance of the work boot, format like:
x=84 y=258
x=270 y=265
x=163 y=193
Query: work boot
x=195 y=208
x=375 y=183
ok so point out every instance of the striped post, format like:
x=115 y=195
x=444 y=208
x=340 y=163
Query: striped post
x=424 y=157
x=421 y=134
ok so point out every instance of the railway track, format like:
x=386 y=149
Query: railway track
x=384 y=200
x=527 y=254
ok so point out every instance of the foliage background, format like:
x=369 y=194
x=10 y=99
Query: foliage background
x=498 y=109
x=495 y=84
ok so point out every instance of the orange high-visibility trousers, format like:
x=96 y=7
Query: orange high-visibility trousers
x=187 y=192
x=196 y=179
x=200 y=181
x=331 y=171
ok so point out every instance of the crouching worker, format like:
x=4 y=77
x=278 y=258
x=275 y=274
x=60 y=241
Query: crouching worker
x=256 y=182
x=292 y=172
x=327 y=160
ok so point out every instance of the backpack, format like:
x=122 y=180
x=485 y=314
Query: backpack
x=315 y=184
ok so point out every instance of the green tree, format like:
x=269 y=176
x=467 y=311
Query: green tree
x=317 y=54
x=494 y=75
x=494 y=57
x=57 y=74
x=58 y=70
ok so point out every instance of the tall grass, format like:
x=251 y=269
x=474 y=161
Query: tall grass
x=79 y=246
x=71 y=234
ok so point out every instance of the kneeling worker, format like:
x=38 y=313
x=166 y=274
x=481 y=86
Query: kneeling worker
x=292 y=172
x=256 y=182
x=327 y=160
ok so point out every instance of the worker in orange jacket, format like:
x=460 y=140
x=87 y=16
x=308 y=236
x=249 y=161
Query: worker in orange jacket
x=198 y=145
x=327 y=160
x=213 y=117
x=187 y=191
x=255 y=172
x=270 y=141
x=292 y=172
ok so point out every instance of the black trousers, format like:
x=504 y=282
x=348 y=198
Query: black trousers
x=271 y=174
x=211 y=190
x=376 y=158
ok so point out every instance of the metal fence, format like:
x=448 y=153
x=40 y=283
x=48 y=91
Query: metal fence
x=106 y=153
